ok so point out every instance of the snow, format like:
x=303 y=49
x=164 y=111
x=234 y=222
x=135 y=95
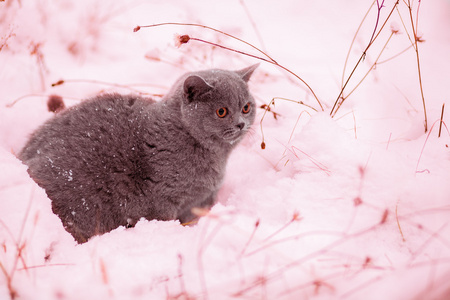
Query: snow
x=351 y=207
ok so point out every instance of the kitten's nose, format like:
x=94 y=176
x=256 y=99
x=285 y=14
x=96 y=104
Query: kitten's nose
x=240 y=125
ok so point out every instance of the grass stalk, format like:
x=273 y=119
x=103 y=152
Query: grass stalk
x=183 y=39
x=398 y=223
x=267 y=108
x=416 y=49
x=353 y=42
x=373 y=65
x=340 y=98
x=441 y=120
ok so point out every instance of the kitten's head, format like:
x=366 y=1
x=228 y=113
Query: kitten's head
x=217 y=107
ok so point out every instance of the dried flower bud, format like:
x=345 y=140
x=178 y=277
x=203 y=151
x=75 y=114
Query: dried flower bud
x=59 y=82
x=395 y=29
x=55 y=103
x=357 y=201
x=181 y=39
x=296 y=216
x=419 y=38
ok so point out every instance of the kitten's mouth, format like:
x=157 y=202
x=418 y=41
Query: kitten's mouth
x=231 y=135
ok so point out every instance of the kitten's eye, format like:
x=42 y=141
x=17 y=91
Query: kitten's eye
x=221 y=112
x=246 y=108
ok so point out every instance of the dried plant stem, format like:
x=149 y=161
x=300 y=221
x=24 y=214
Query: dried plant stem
x=425 y=143
x=252 y=235
x=230 y=49
x=341 y=239
x=205 y=241
x=318 y=164
x=398 y=223
x=442 y=118
x=379 y=7
x=12 y=292
x=181 y=277
x=4 y=40
x=11 y=104
x=416 y=48
x=35 y=49
x=20 y=246
x=255 y=28
x=373 y=65
x=295 y=218
x=268 y=108
x=295 y=126
x=209 y=28
x=340 y=98
x=266 y=57
x=353 y=42
x=395 y=56
x=265 y=60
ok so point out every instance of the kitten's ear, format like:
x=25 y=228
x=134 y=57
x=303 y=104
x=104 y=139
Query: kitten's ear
x=194 y=86
x=247 y=72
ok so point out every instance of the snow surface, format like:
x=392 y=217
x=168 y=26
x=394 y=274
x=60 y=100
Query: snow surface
x=354 y=207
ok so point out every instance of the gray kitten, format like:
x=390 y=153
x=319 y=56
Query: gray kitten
x=113 y=159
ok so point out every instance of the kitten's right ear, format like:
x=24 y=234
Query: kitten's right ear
x=195 y=86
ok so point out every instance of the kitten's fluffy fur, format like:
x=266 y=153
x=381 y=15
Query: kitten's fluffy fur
x=113 y=159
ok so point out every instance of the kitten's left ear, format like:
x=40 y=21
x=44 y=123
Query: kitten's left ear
x=195 y=86
x=247 y=72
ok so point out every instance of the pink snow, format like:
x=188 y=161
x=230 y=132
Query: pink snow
x=351 y=207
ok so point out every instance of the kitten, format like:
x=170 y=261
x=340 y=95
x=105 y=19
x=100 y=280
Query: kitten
x=113 y=159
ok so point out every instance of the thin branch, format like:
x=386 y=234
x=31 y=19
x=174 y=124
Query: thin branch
x=416 y=48
x=183 y=39
x=372 y=67
x=379 y=7
x=442 y=117
x=137 y=28
x=255 y=28
x=340 y=99
x=395 y=56
x=267 y=108
x=353 y=41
